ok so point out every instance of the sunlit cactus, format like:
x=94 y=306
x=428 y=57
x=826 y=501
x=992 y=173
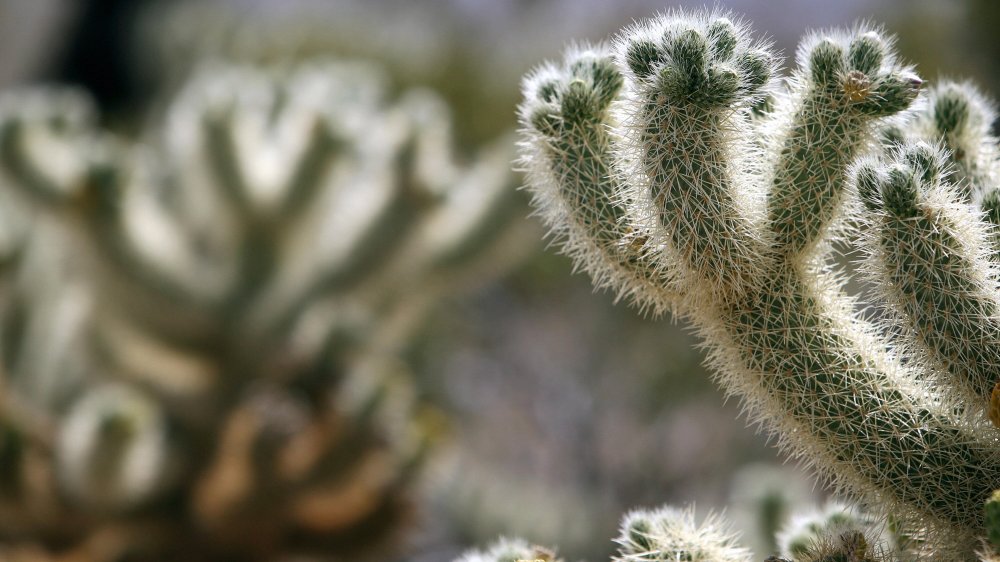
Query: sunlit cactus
x=673 y=534
x=929 y=254
x=835 y=533
x=569 y=106
x=678 y=171
x=820 y=534
x=202 y=330
x=665 y=534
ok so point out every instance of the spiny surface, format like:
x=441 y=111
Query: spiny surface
x=668 y=534
x=692 y=82
x=846 y=81
x=567 y=121
x=927 y=253
x=738 y=189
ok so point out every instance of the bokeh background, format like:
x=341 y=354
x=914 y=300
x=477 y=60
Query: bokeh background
x=565 y=408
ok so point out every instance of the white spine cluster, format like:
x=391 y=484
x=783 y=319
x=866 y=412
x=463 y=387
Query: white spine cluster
x=673 y=534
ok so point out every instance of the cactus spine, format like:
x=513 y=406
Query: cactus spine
x=735 y=187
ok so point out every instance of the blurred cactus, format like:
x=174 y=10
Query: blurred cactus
x=833 y=534
x=763 y=498
x=202 y=331
x=510 y=550
x=679 y=173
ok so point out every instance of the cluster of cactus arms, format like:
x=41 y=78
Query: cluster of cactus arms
x=681 y=173
x=201 y=331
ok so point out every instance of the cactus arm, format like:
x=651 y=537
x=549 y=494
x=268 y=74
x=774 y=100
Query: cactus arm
x=832 y=397
x=256 y=253
x=790 y=346
x=221 y=152
x=841 y=89
x=309 y=171
x=114 y=453
x=471 y=213
x=694 y=80
x=43 y=141
x=781 y=333
x=267 y=148
x=18 y=165
x=308 y=168
x=927 y=254
x=566 y=120
x=402 y=204
x=959 y=117
x=836 y=532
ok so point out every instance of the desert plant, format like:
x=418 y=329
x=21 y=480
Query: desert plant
x=510 y=550
x=819 y=530
x=680 y=173
x=202 y=330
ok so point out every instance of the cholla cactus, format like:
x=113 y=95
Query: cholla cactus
x=658 y=535
x=678 y=172
x=811 y=536
x=672 y=534
x=834 y=534
x=217 y=378
x=510 y=550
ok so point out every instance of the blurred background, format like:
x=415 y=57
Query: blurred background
x=563 y=408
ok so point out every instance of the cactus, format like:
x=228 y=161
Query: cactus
x=930 y=258
x=762 y=499
x=836 y=527
x=664 y=534
x=202 y=330
x=679 y=172
x=672 y=534
x=510 y=550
